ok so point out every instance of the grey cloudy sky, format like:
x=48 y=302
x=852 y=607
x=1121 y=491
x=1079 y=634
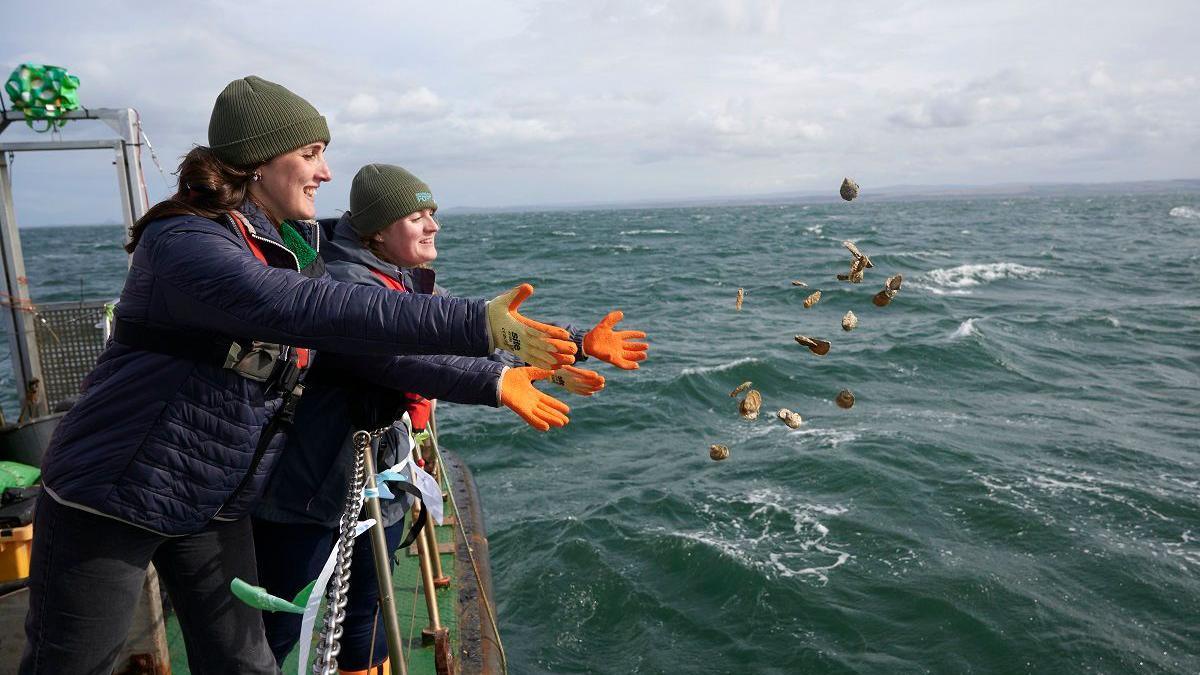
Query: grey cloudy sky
x=530 y=102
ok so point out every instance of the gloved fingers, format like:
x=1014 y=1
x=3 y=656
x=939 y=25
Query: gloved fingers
x=611 y=319
x=635 y=346
x=552 y=403
x=581 y=381
x=542 y=358
x=551 y=417
x=559 y=351
x=533 y=420
x=560 y=346
x=532 y=374
x=629 y=334
x=628 y=360
x=518 y=295
x=539 y=328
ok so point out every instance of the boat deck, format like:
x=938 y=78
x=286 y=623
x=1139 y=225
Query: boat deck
x=410 y=604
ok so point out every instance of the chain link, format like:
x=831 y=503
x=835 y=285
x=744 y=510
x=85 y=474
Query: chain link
x=336 y=597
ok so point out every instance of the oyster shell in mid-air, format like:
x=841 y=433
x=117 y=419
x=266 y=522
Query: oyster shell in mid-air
x=857 y=254
x=845 y=399
x=812 y=299
x=750 y=405
x=740 y=296
x=818 y=347
x=792 y=419
x=849 y=322
x=739 y=389
x=801 y=284
x=849 y=189
x=718 y=452
x=890 y=288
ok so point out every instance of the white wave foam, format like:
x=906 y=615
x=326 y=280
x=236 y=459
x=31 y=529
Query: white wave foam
x=1114 y=321
x=813 y=229
x=973 y=275
x=566 y=233
x=656 y=231
x=965 y=329
x=704 y=370
x=778 y=535
x=1185 y=212
x=831 y=437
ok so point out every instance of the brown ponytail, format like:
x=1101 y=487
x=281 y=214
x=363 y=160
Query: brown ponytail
x=208 y=187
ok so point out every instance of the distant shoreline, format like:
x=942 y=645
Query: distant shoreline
x=884 y=194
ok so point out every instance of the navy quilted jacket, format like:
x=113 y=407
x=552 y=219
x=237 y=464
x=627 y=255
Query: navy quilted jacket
x=163 y=442
x=309 y=481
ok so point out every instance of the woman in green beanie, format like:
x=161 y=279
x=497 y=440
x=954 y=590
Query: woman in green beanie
x=387 y=239
x=174 y=434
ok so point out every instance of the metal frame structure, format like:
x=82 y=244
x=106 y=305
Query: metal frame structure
x=19 y=310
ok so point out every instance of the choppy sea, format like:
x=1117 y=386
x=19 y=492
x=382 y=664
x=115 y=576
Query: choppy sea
x=1016 y=489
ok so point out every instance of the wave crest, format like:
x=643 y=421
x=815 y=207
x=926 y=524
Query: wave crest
x=1185 y=212
x=965 y=276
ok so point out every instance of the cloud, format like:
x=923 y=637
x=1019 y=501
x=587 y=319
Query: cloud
x=530 y=101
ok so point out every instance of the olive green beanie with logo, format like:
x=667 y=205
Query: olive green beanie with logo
x=381 y=194
x=254 y=120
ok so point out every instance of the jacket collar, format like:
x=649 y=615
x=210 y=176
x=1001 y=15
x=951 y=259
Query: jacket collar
x=265 y=232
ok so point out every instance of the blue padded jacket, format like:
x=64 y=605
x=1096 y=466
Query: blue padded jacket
x=163 y=442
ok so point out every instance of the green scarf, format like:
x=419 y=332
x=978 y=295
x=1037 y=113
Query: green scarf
x=305 y=254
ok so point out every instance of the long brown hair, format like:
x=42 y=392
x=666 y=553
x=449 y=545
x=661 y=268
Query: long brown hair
x=208 y=187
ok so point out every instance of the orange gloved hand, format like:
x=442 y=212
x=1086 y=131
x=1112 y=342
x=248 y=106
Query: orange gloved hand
x=577 y=380
x=540 y=410
x=617 y=348
x=533 y=342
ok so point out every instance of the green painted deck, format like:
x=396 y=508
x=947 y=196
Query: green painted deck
x=410 y=605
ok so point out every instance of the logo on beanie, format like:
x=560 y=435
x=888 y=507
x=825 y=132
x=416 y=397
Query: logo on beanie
x=424 y=196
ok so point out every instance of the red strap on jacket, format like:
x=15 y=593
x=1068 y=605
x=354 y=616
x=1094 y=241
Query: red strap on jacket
x=301 y=352
x=249 y=240
x=419 y=408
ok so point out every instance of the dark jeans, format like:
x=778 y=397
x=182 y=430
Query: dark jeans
x=88 y=571
x=290 y=556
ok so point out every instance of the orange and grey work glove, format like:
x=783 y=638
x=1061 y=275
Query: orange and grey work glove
x=533 y=342
x=540 y=410
x=615 y=347
x=578 y=381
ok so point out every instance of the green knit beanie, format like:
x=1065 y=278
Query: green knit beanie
x=254 y=120
x=381 y=194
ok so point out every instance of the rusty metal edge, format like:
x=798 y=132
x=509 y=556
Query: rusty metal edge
x=479 y=650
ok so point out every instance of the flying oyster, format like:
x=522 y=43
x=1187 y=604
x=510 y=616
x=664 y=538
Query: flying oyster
x=849 y=189
x=857 y=253
x=801 y=284
x=741 y=296
x=890 y=288
x=718 y=452
x=792 y=419
x=849 y=322
x=812 y=299
x=818 y=347
x=845 y=399
x=739 y=389
x=749 y=406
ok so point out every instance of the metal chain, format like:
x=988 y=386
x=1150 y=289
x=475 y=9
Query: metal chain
x=336 y=597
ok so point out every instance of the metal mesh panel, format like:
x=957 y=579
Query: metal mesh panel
x=69 y=342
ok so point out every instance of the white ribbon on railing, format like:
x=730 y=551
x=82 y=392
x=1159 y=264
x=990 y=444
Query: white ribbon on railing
x=309 y=619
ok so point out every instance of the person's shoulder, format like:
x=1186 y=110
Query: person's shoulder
x=157 y=230
x=351 y=272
